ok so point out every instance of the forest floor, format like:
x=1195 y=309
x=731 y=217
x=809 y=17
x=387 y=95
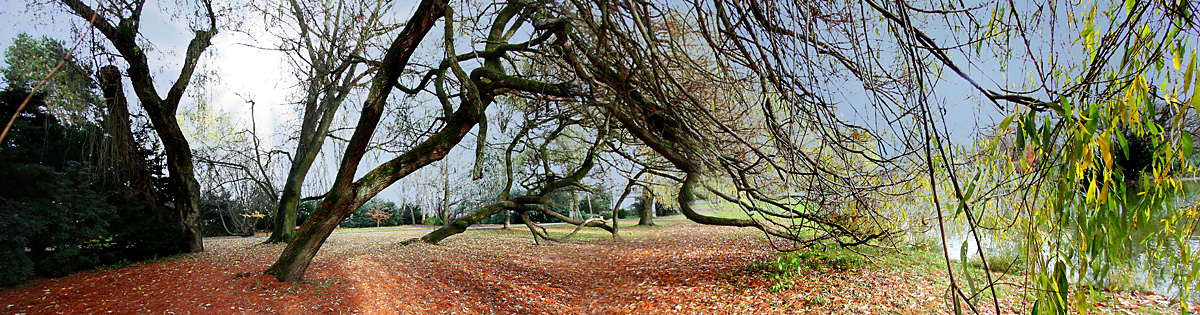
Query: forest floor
x=674 y=267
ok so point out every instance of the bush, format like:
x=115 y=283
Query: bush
x=432 y=220
x=405 y=214
x=15 y=266
x=784 y=267
x=1006 y=262
x=62 y=210
x=498 y=218
x=621 y=214
x=663 y=210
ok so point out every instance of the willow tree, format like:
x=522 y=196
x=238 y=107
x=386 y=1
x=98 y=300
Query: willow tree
x=790 y=111
x=119 y=22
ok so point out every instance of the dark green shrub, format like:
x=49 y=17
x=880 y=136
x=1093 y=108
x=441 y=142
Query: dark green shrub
x=405 y=214
x=432 y=220
x=498 y=218
x=63 y=209
x=663 y=210
x=15 y=266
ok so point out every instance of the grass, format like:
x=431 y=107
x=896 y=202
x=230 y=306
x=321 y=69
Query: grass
x=627 y=228
x=398 y=228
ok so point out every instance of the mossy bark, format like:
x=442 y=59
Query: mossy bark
x=460 y=225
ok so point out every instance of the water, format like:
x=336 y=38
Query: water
x=1145 y=272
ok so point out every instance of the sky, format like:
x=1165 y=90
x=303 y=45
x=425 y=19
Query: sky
x=246 y=72
x=243 y=71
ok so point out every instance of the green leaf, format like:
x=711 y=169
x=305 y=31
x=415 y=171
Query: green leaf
x=1060 y=283
x=1187 y=75
x=1187 y=144
x=962 y=258
x=1007 y=120
x=1020 y=139
x=1046 y=130
x=1030 y=125
x=1124 y=145
x=1057 y=107
x=1196 y=97
x=957 y=303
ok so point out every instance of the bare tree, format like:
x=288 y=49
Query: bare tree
x=119 y=22
x=327 y=52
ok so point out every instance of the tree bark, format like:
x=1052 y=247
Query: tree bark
x=125 y=155
x=646 y=215
x=460 y=225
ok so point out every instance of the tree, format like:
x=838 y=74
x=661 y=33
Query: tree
x=327 y=52
x=379 y=214
x=646 y=212
x=745 y=102
x=347 y=194
x=69 y=91
x=232 y=161
x=67 y=203
x=479 y=90
x=123 y=35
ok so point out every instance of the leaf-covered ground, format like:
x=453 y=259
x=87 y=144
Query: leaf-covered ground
x=672 y=268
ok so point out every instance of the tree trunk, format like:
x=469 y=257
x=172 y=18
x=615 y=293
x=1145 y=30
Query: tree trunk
x=646 y=215
x=616 y=224
x=289 y=201
x=444 y=213
x=573 y=206
x=321 y=104
x=507 y=219
x=182 y=178
x=459 y=225
x=299 y=253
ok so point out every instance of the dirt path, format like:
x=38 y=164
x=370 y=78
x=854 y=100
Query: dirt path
x=683 y=268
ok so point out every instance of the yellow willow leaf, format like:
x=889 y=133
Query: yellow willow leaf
x=1091 y=193
x=1187 y=75
x=1103 y=193
x=1196 y=97
x=1104 y=149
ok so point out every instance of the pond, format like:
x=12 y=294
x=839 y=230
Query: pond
x=1145 y=272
